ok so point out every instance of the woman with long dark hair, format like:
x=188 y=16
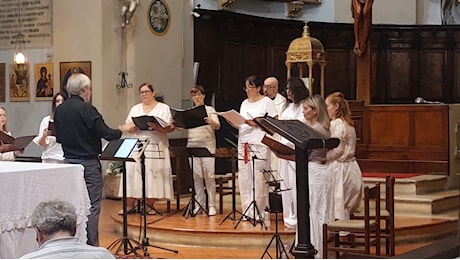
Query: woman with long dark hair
x=51 y=150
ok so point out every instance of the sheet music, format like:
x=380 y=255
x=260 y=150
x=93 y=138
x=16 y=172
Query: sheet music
x=233 y=117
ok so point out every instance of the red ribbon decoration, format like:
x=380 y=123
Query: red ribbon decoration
x=246 y=155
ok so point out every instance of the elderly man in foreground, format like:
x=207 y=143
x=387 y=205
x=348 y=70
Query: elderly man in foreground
x=56 y=223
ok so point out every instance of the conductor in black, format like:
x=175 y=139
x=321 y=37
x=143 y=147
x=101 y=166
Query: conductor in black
x=79 y=128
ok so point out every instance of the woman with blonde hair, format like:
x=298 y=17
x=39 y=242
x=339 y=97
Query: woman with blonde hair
x=320 y=181
x=10 y=155
x=348 y=180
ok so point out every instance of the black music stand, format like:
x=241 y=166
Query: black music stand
x=112 y=152
x=304 y=138
x=232 y=214
x=257 y=218
x=276 y=206
x=145 y=240
x=195 y=152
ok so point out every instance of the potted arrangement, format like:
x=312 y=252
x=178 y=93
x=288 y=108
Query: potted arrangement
x=112 y=179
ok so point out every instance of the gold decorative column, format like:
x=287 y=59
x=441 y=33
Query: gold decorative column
x=308 y=51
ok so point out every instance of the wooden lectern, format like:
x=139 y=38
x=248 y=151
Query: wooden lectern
x=305 y=138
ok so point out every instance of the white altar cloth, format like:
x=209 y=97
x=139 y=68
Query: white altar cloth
x=23 y=185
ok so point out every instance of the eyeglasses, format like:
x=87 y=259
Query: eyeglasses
x=145 y=92
x=250 y=87
x=269 y=86
x=197 y=95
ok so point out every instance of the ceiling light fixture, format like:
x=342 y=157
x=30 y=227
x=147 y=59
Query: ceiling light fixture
x=19 y=56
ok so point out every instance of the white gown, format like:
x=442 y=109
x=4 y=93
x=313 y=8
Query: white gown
x=348 y=180
x=158 y=173
x=287 y=170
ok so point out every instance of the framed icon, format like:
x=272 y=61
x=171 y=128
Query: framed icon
x=68 y=68
x=44 y=77
x=19 y=82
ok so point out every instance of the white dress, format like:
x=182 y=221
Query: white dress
x=348 y=180
x=287 y=169
x=247 y=172
x=158 y=176
x=52 y=151
x=321 y=193
x=280 y=104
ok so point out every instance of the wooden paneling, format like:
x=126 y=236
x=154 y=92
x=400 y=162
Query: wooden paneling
x=399 y=78
x=411 y=138
x=432 y=78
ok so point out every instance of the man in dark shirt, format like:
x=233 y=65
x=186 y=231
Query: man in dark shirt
x=79 y=128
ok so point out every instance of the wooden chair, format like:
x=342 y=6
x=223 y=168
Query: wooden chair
x=388 y=215
x=223 y=188
x=368 y=228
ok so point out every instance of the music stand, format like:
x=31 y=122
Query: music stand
x=120 y=150
x=304 y=138
x=257 y=218
x=233 y=158
x=195 y=152
x=145 y=240
x=276 y=206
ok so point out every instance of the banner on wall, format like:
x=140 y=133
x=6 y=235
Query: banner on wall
x=36 y=23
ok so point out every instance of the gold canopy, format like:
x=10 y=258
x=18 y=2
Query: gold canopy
x=308 y=51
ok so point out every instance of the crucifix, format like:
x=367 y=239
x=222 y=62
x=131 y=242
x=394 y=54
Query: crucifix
x=362 y=13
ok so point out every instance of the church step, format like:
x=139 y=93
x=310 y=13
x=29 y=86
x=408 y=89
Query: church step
x=427 y=204
x=421 y=184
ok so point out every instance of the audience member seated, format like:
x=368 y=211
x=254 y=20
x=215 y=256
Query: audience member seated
x=55 y=223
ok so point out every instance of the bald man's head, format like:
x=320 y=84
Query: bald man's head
x=271 y=87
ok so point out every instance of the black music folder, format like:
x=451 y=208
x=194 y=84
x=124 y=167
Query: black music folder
x=141 y=121
x=119 y=149
x=189 y=118
x=51 y=127
x=18 y=143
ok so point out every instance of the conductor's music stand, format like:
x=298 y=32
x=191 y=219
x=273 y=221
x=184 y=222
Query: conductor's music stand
x=120 y=150
x=145 y=240
x=195 y=152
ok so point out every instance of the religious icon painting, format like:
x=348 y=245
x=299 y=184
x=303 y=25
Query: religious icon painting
x=66 y=69
x=19 y=78
x=44 y=78
x=2 y=83
x=159 y=17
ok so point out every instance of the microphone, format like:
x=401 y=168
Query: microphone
x=420 y=100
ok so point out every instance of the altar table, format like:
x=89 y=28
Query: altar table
x=23 y=185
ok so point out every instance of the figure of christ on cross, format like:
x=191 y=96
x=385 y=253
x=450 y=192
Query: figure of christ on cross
x=362 y=13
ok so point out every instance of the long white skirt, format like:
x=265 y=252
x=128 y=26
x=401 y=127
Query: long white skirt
x=321 y=191
x=348 y=187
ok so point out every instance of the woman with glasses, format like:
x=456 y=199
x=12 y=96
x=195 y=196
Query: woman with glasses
x=51 y=150
x=253 y=156
x=296 y=92
x=158 y=174
x=203 y=167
